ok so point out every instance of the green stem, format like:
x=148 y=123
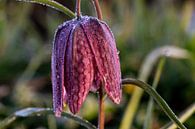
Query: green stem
x=53 y=4
x=145 y=71
x=152 y=92
x=40 y=111
x=148 y=120
x=189 y=112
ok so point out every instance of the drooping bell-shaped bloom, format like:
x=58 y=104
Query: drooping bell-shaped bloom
x=84 y=58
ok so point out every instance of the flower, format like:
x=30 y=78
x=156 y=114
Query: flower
x=84 y=58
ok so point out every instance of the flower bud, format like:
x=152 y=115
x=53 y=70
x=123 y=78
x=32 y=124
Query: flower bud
x=84 y=58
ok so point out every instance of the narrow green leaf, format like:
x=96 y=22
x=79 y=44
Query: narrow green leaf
x=148 y=120
x=145 y=70
x=152 y=92
x=40 y=111
x=183 y=117
x=52 y=4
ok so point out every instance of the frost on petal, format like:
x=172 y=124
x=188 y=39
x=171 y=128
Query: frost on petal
x=57 y=67
x=103 y=46
x=78 y=69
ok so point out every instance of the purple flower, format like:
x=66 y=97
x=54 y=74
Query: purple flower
x=84 y=58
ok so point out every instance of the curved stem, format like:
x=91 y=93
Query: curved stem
x=145 y=71
x=52 y=4
x=183 y=117
x=156 y=97
x=78 y=8
x=39 y=111
x=101 y=109
x=148 y=120
x=98 y=9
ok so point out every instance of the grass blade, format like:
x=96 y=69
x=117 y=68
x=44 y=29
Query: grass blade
x=146 y=68
x=152 y=92
x=148 y=119
x=187 y=114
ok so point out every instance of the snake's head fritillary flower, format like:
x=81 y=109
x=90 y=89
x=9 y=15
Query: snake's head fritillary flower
x=84 y=58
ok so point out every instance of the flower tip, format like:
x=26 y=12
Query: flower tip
x=117 y=100
x=57 y=113
x=74 y=110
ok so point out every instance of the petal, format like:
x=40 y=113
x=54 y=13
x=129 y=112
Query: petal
x=57 y=62
x=96 y=81
x=79 y=69
x=103 y=46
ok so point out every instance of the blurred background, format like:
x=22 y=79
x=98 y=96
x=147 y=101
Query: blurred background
x=139 y=27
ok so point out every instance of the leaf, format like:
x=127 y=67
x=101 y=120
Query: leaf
x=185 y=116
x=52 y=4
x=161 y=102
x=40 y=111
x=148 y=120
x=146 y=68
